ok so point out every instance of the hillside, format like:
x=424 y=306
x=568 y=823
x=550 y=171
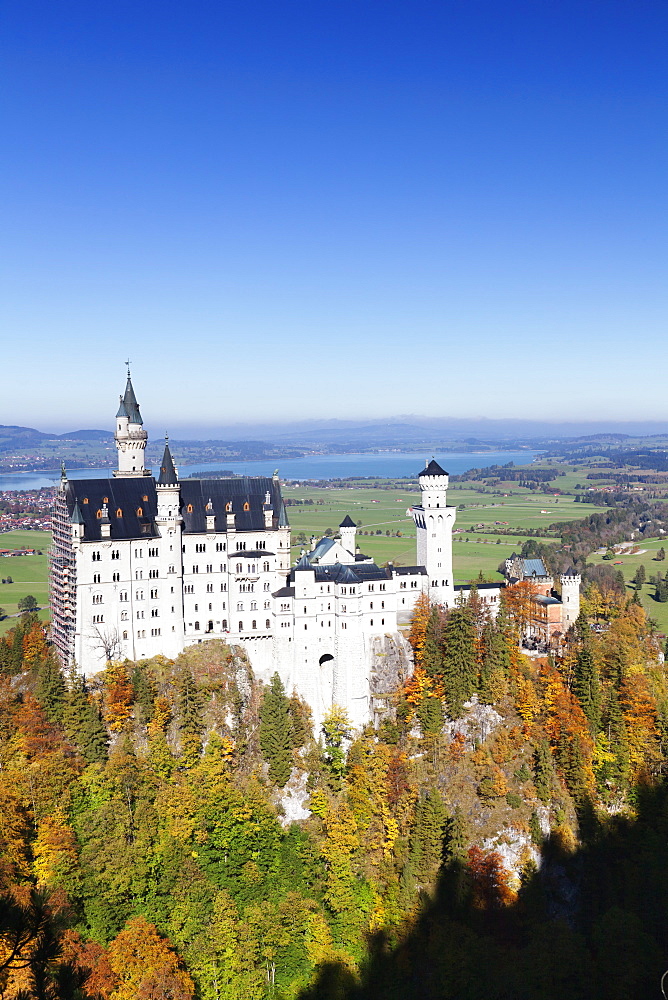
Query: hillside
x=189 y=835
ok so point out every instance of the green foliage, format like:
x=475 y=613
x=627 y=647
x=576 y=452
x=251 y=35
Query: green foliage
x=189 y=704
x=276 y=731
x=83 y=724
x=513 y=800
x=27 y=603
x=587 y=688
x=543 y=771
x=50 y=689
x=460 y=669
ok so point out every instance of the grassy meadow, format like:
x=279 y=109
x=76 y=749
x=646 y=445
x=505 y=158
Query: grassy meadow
x=628 y=564
x=29 y=573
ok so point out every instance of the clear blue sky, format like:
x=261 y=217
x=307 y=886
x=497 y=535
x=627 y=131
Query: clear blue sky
x=333 y=208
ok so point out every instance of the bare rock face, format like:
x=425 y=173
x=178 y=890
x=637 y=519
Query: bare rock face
x=476 y=724
x=391 y=663
x=291 y=800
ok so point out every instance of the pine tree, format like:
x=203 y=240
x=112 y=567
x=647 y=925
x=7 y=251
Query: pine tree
x=495 y=663
x=542 y=769
x=587 y=688
x=432 y=655
x=50 y=689
x=459 y=660
x=83 y=724
x=275 y=731
x=426 y=837
x=144 y=694
x=190 y=704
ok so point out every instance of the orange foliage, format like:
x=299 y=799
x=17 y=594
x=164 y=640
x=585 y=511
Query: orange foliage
x=519 y=600
x=34 y=644
x=490 y=881
x=118 y=696
x=146 y=965
x=91 y=958
x=418 y=686
x=419 y=623
x=640 y=716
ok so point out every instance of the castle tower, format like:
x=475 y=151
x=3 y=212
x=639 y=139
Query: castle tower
x=435 y=521
x=348 y=530
x=170 y=525
x=130 y=436
x=570 y=598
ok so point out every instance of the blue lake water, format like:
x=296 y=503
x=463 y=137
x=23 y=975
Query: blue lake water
x=385 y=464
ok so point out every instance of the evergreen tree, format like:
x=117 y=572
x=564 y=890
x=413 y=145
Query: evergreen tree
x=432 y=655
x=190 y=704
x=276 y=731
x=460 y=669
x=588 y=688
x=542 y=769
x=83 y=724
x=301 y=727
x=640 y=577
x=50 y=689
x=144 y=694
x=426 y=836
x=430 y=714
x=495 y=662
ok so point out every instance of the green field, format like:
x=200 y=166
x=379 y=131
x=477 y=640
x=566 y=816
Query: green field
x=29 y=573
x=385 y=510
x=628 y=564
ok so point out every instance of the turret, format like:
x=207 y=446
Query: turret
x=348 y=530
x=570 y=598
x=434 y=521
x=130 y=436
x=168 y=489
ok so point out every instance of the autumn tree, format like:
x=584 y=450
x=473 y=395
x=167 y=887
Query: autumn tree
x=419 y=624
x=147 y=966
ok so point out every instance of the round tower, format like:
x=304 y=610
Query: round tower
x=435 y=522
x=348 y=530
x=570 y=598
x=130 y=436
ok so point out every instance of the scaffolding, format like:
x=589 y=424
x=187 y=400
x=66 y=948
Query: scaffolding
x=62 y=581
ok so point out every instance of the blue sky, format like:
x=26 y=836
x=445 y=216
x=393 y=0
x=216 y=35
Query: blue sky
x=289 y=209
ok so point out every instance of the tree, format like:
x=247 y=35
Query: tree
x=640 y=577
x=276 y=731
x=83 y=724
x=460 y=669
x=147 y=966
x=189 y=703
x=660 y=555
x=588 y=688
x=50 y=690
x=28 y=603
x=495 y=660
x=108 y=640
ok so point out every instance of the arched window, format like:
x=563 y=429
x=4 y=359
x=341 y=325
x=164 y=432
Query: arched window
x=105 y=499
x=197 y=626
x=228 y=506
x=267 y=624
x=265 y=567
x=85 y=500
x=241 y=626
x=253 y=624
x=224 y=624
x=98 y=515
x=246 y=505
x=119 y=512
x=125 y=635
x=189 y=508
x=145 y=499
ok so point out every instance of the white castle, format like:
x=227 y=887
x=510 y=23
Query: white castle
x=142 y=566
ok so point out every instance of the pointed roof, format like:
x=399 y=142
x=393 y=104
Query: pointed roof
x=303 y=563
x=283 y=517
x=122 y=412
x=168 y=475
x=131 y=404
x=77 y=516
x=433 y=469
x=347 y=522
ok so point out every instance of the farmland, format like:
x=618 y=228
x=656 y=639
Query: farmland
x=28 y=573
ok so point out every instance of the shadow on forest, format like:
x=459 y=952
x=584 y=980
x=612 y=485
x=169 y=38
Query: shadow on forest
x=590 y=925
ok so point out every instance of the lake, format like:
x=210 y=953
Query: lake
x=390 y=464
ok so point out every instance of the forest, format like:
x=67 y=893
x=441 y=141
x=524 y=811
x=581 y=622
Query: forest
x=175 y=829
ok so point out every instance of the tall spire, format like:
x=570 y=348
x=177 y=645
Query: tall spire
x=130 y=402
x=168 y=476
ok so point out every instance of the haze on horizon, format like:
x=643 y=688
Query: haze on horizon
x=316 y=210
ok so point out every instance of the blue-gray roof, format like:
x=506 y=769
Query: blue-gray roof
x=531 y=567
x=433 y=469
x=323 y=546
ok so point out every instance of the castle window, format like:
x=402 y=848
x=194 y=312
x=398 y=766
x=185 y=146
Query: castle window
x=228 y=507
x=197 y=626
x=123 y=596
x=267 y=624
x=140 y=512
x=371 y=622
x=382 y=621
x=98 y=515
x=239 y=567
x=155 y=613
x=124 y=616
x=145 y=499
x=125 y=635
x=246 y=505
x=189 y=508
x=195 y=569
x=85 y=500
x=209 y=567
x=197 y=607
x=224 y=624
x=119 y=512
x=253 y=606
x=265 y=567
x=209 y=588
x=241 y=626
x=253 y=624
x=382 y=604
x=371 y=606
x=266 y=605
x=96 y=577
x=105 y=499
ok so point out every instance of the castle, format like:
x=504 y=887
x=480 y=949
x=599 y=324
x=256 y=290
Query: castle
x=141 y=566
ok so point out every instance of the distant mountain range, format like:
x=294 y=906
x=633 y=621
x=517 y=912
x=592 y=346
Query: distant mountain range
x=13 y=438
